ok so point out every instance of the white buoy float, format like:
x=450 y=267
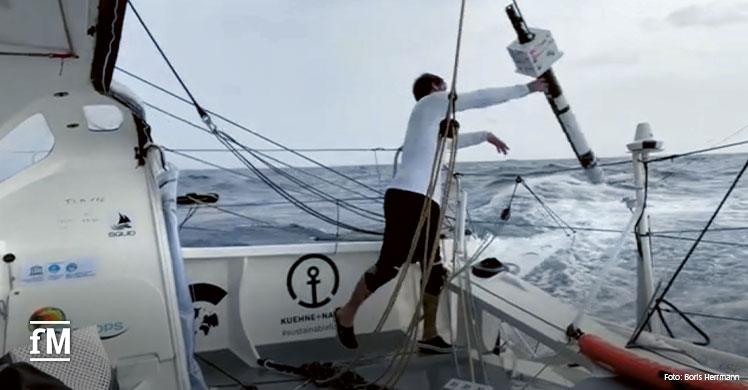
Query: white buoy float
x=534 y=52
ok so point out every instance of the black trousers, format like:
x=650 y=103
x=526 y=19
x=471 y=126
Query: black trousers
x=402 y=211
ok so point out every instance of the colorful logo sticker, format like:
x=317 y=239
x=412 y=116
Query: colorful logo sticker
x=48 y=313
x=54 y=268
x=59 y=270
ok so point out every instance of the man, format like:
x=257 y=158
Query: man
x=405 y=198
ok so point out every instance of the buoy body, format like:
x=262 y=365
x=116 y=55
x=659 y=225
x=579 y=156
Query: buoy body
x=534 y=52
x=567 y=120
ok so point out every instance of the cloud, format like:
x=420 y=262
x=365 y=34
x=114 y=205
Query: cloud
x=709 y=15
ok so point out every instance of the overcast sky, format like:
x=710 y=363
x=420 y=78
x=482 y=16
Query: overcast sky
x=338 y=73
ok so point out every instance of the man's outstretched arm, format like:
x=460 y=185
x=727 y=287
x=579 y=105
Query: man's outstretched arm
x=470 y=139
x=492 y=96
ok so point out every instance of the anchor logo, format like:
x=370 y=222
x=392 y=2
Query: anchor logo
x=322 y=286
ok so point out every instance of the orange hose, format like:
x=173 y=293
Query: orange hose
x=631 y=366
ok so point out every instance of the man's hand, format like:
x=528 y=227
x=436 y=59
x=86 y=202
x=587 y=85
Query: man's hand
x=539 y=85
x=501 y=147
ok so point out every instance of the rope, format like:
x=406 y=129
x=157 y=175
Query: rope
x=724 y=229
x=554 y=216
x=732 y=135
x=608 y=260
x=252 y=132
x=436 y=170
x=254 y=153
x=707 y=315
x=280 y=202
x=688 y=255
x=698 y=151
x=560 y=170
x=43 y=55
x=283 y=193
x=374 y=216
x=398 y=365
x=163 y=55
x=576 y=228
x=726 y=243
x=622 y=162
x=308 y=150
x=190 y=213
x=229 y=142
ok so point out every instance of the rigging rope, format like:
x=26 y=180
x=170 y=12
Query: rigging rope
x=724 y=229
x=352 y=208
x=651 y=311
x=308 y=150
x=623 y=162
x=279 y=202
x=707 y=315
x=397 y=365
x=732 y=135
x=252 y=132
x=373 y=215
x=554 y=216
x=726 y=243
x=289 y=199
x=698 y=151
x=452 y=128
x=165 y=58
x=229 y=142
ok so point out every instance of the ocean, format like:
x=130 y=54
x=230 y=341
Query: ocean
x=683 y=194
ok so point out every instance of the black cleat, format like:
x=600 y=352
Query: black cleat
x=434 y=345
x=346 y=336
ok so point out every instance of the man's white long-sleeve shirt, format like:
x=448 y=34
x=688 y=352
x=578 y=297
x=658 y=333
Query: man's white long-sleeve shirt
x=421 y=138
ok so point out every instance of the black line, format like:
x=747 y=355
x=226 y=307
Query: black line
x=71 y=49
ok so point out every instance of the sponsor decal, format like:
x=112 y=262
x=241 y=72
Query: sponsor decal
x=54 y=268
x=205 y=298
x=313 y=280
x=45 y=315
x=36 y=270
x=48 y=313
x=59 y=270
x=123 y=227
x=110 y=330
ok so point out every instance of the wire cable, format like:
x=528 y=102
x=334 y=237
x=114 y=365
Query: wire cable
x=252 y=132
x=698 y=151
x=650 y=312
x=371 y=215
x=254 y=153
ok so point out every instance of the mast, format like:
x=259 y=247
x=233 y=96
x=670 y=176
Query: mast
x=644 y=144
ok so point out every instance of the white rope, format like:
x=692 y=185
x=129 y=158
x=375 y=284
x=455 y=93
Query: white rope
x=110 y=48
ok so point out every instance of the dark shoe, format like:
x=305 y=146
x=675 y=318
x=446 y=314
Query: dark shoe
x=434 y=345
x=346 y=336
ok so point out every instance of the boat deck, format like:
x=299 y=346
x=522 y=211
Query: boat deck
x=224 y=370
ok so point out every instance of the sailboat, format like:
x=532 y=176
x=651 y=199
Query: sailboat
x=89 y=238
